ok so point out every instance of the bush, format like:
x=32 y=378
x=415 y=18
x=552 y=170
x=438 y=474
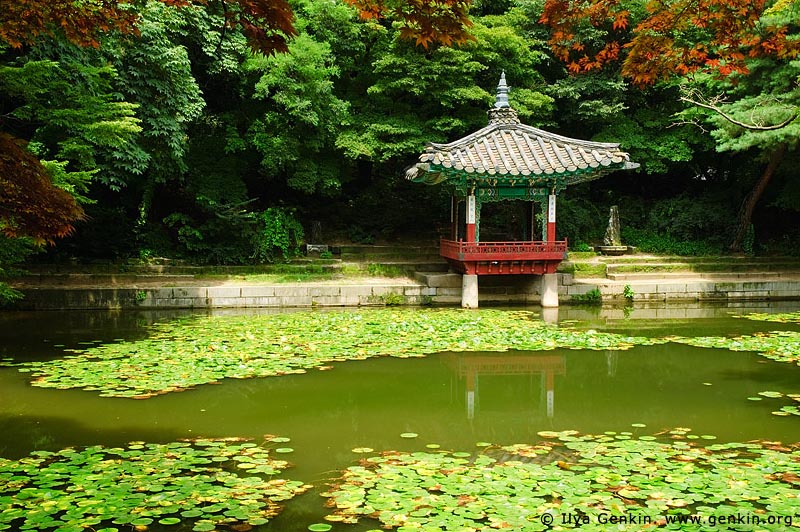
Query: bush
x=278 y=235
x=652 y=242
x=580 y=221
x=592 y=297
x=213 y=239
x=685 y=218
x=13 y=251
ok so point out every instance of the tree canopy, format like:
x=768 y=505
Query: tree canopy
x=221 y=131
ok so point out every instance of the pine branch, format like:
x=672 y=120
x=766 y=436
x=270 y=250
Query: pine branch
x=752 y=127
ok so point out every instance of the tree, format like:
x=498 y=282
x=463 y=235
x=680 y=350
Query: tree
x=266 y=23
x=740 y=52
x=30 y=205
x=661 y=39
x=296 y=133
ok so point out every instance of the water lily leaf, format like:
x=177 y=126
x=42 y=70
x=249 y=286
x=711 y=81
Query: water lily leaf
x=362 y=450
x=140 y=485
x=320 y=527
x=185 y=353
x=409 y=435
x=589 y=474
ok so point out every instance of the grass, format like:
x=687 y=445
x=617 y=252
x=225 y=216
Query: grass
x=584 y=269
x=293 y=273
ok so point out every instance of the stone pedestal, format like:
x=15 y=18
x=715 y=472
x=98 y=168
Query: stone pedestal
x=469 y=291
x=549 y=290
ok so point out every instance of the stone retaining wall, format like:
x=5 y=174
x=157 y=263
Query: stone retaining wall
x=440 y=289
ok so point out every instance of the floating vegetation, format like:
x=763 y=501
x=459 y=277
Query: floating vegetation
x=784 y=317
x=184 y=353
x=781 y=346
x=788 y=410
x=572 y=480
x=204 y=483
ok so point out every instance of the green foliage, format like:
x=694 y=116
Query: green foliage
x=155 y=73
x=180 y=354
x=584 y=476
x=651 y=136
x=144 y=482
x=689 y=218
x=329 y=128
x=76 y=115
x=628 y=292
x=216 y=233
x=749 y=240
x=650 y=242
x=592 y=297
x=393 y=299
x=13 y=251
x=581 y=247
x=580 y=220
x=278 y=235
x=295 y=136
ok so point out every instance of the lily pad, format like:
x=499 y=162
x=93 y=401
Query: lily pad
x=362 y=450
x=509 y=487
x=143 y=484
x=409 y=435
x=184 y=353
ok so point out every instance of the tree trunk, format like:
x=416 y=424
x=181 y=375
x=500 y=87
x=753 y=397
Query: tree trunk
x=748 y=205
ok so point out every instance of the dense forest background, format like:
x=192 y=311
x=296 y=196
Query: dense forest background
x=181 y=141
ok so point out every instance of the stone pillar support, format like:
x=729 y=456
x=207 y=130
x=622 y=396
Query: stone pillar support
x=469 y=291
x=549 y=290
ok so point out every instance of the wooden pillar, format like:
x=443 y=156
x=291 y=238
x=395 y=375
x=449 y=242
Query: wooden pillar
x=454 y=217
x=472 y=232
x=551 y=218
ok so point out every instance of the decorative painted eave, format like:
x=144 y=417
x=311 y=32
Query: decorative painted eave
x=508 y=151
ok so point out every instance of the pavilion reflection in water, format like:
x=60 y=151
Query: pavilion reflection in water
x=472 y=366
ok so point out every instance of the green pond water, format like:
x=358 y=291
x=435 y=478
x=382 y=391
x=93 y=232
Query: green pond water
x=452 y=399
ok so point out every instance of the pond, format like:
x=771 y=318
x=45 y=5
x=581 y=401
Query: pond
x=490 y=378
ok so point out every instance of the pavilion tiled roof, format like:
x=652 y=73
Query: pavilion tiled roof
x=509 y=149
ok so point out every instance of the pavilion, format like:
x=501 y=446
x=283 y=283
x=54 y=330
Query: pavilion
x=508 y=160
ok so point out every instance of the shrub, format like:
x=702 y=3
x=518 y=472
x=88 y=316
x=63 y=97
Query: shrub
x=278 y=235
x=592 y=297
x=652 y=242
x=12 y=252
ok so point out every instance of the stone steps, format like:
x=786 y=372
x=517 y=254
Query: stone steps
x=647 y=276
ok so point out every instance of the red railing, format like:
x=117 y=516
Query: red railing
x=494 y=251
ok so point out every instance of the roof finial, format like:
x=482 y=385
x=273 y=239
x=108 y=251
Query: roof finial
x=502 y=93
